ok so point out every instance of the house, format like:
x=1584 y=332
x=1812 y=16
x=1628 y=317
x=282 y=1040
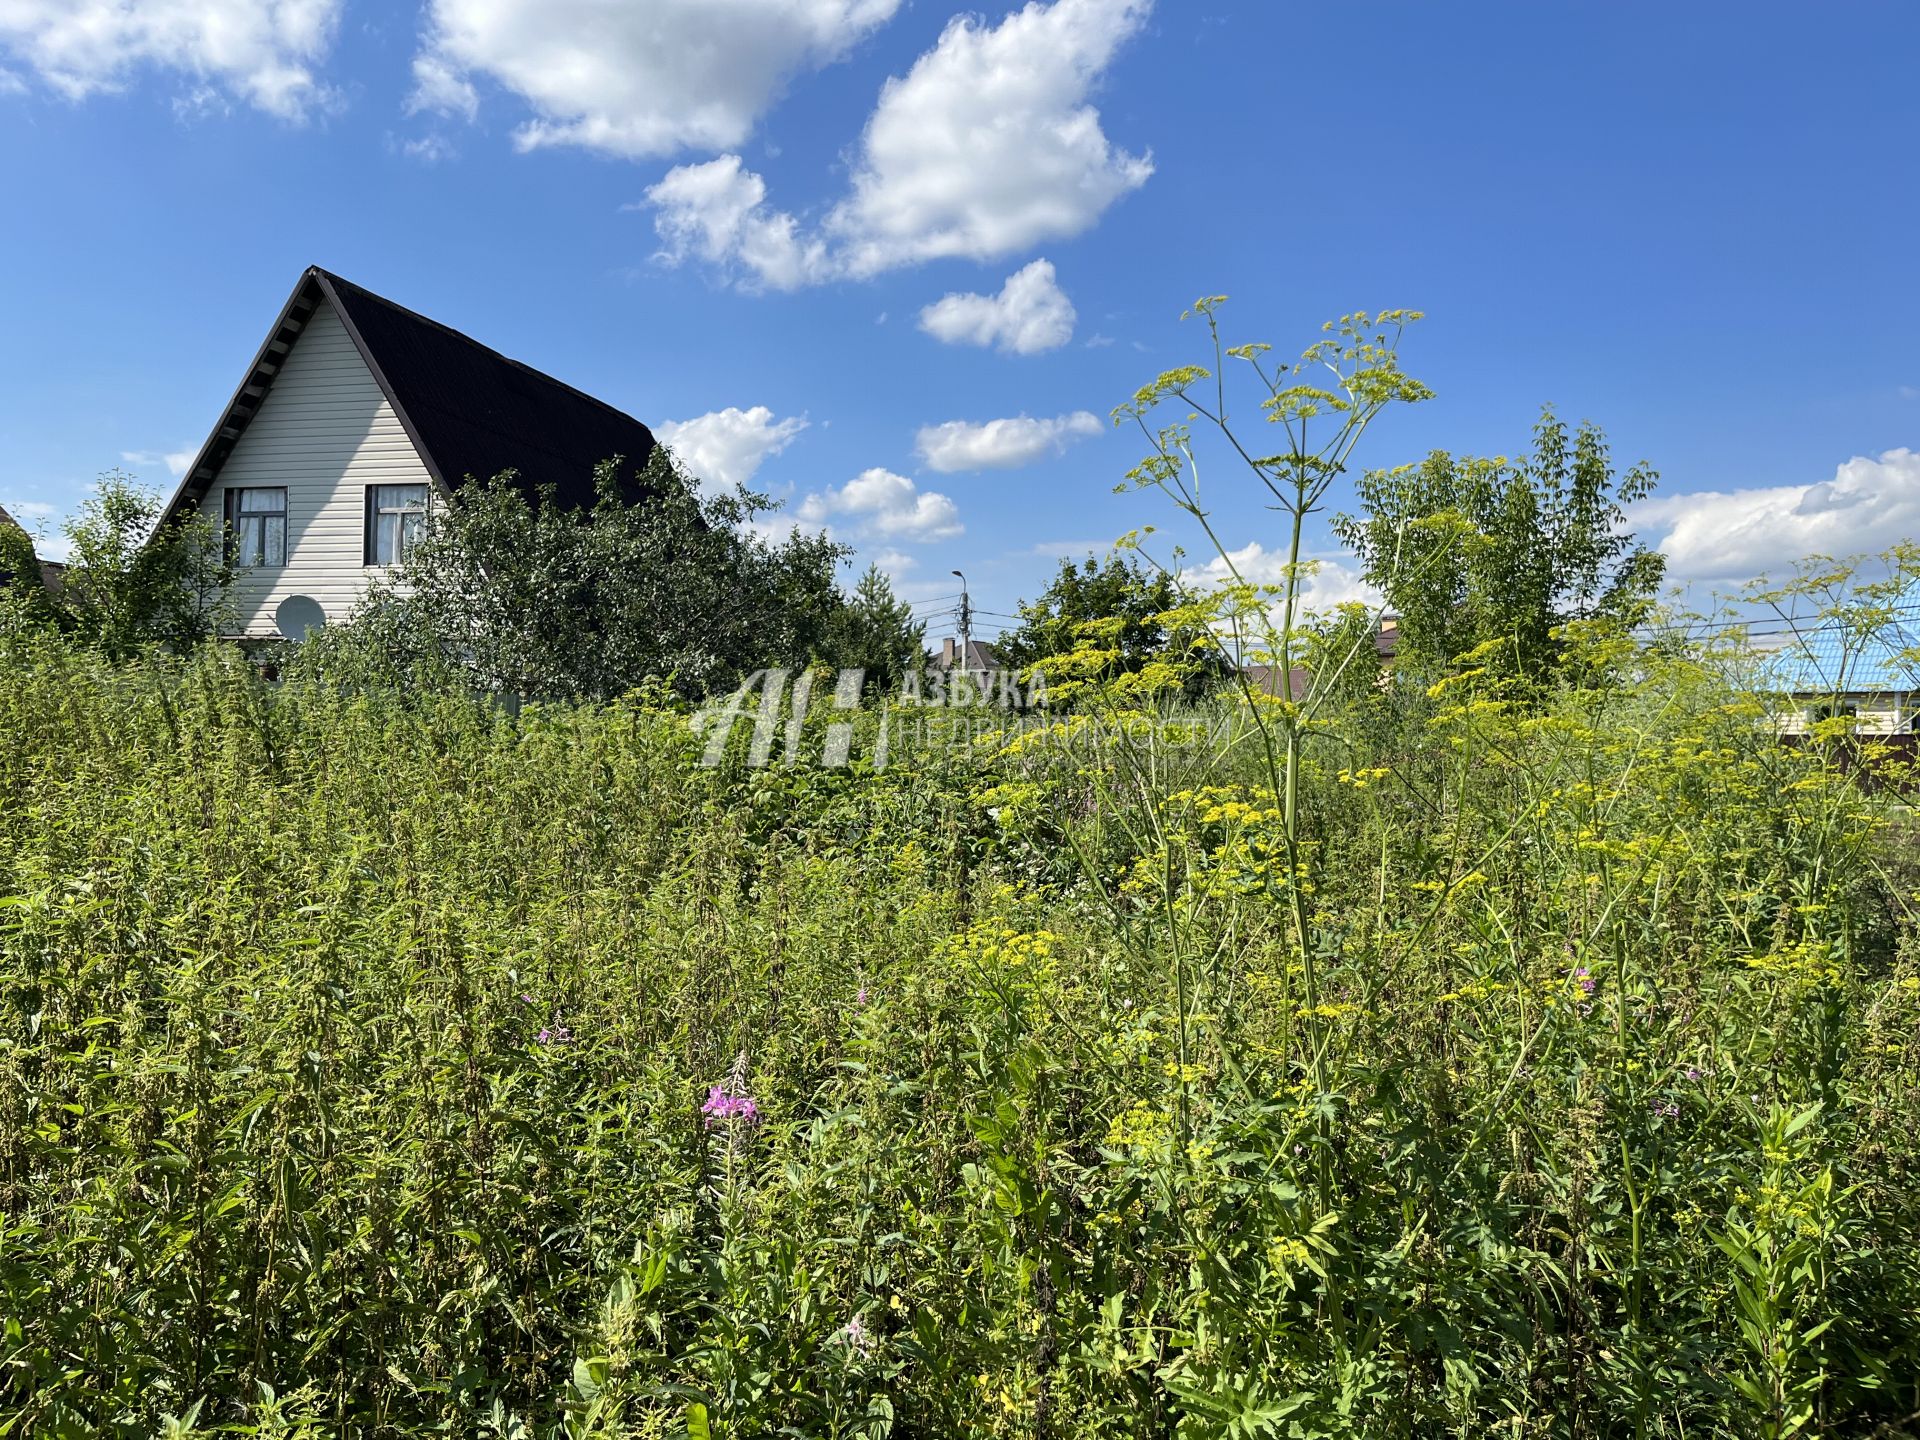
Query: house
x=1266 y=679
x=353 y=417
x=979 y=657
x=1831 y=671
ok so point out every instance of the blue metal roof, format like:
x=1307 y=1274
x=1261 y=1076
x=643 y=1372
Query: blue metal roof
x=1830 y=658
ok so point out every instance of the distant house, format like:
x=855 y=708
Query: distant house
x=355 y=414
x=1265 y=679
x=1828 y=672
x=977 y=658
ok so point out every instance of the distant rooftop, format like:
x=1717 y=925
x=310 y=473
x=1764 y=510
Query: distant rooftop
x=1825 y=658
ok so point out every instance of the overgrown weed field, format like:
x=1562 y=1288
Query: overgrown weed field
x=379 y=1066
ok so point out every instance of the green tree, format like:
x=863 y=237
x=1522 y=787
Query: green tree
x=132 y=580
x=1476 y=553
x=514 y=593
x=876 y=630
x=1118 y=588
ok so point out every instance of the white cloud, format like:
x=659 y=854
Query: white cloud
x=1001 y=444
x=717 y=212
x=1029 y=315
x=724 y=448
x=985 y=148
x=880 y=505
x=1332 y=582
x=440 y=88
x=635 y=79
x=429 y=149
x=988 y=145
x=11 y=84
x=264 y=51
x=1738 y=534
x=176 y=461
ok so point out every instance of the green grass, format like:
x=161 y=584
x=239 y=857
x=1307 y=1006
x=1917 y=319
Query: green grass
x=282 y=1151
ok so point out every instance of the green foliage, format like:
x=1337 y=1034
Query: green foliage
x=518 y=595
x=1131 y=605
x=24 y=599
x=281 y=1138
x=1492 y=556
x=1540 y=1061
x=875 y=631
x=132 y=582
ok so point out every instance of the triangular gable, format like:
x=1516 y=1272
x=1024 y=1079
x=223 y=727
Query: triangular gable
x=468 y=410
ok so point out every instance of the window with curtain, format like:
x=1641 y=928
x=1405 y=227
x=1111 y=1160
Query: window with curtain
x=396 y=516
x=257 y=526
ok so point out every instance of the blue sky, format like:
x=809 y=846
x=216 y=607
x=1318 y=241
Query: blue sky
x=1694 y=224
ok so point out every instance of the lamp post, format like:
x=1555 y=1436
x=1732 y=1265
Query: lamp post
x=966 y=621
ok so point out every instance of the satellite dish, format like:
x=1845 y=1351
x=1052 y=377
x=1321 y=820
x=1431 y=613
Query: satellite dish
x=298 y=616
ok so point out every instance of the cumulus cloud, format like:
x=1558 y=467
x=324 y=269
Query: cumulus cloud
x=1029 y=315
x=1332 y=583
x=725 y=448
x=717 y=212
x=635 y=79
x=266 y=52
x=176 y=461
x=1001 y=444
x=443 y=89
x=880 y=505
x=1731 y=535
x=986 y=147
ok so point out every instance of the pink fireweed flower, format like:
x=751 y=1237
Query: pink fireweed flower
x=860 y=996
x=723 y=1106
x=1584 y=979
x=859 y=1338
x=554 y=1034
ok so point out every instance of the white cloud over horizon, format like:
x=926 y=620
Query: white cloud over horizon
x=1029 y=316
x=986 y=147
x=1331 y=583
x=724 y=448
x=176 y=461
x=634 y=80
x=880 y=505
x=265 y=52
x=1735 y=535
x=962 y=445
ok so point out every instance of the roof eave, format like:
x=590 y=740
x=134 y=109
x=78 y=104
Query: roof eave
x=199 y=476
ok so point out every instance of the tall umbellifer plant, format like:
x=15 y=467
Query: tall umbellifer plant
x=1311 y=416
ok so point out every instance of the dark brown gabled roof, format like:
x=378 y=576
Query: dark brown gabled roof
x=470 y=411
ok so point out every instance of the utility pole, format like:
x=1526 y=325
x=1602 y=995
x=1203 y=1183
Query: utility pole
x=966 y=623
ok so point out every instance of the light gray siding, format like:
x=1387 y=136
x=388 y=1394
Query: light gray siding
x=325 y=432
